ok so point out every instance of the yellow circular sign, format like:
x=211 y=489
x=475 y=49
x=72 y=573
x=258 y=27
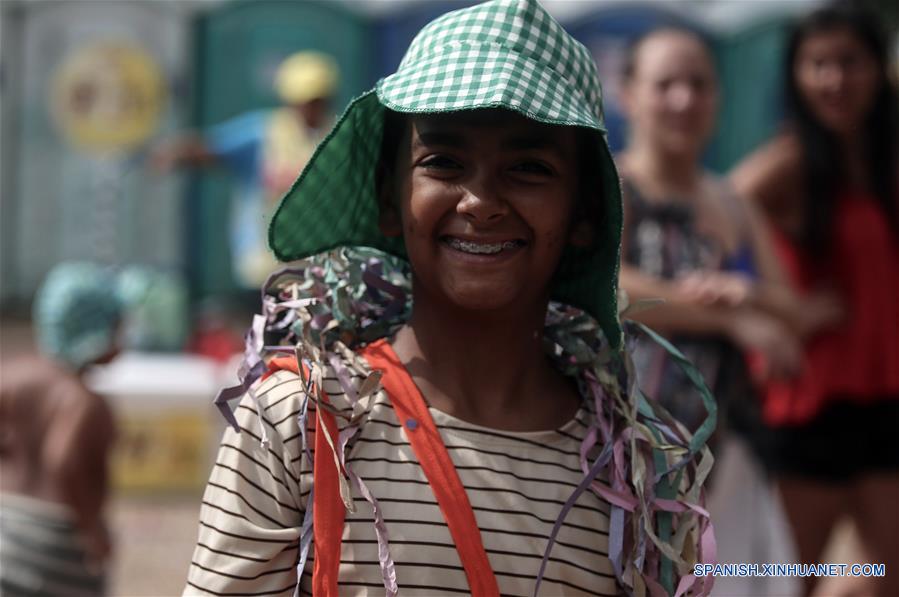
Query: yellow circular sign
x=108 y=97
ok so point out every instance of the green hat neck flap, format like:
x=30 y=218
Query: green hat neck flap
x=508 y=54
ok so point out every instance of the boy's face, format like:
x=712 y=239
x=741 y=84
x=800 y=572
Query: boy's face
x=486 y=200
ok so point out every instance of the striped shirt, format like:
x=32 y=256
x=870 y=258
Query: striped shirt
x=517 y=483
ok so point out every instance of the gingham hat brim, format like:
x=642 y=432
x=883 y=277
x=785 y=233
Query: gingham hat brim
x=478 y=77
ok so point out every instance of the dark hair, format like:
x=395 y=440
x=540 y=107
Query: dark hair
x=824 y=174
x=394 y=128
x=629 y=63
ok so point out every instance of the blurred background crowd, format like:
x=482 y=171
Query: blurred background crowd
x=144 y=144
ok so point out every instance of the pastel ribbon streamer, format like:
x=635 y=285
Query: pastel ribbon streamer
x=649 y=468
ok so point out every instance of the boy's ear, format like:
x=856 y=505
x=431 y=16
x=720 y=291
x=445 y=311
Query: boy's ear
x=582 y=234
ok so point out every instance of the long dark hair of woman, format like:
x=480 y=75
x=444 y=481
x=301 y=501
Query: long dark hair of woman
x=824 y=172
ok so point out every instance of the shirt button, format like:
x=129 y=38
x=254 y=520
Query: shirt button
x=411 y=424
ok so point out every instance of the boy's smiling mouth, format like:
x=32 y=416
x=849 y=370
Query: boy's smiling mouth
x=472 y=247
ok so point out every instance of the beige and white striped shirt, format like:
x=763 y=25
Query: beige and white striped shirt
x=517 y=483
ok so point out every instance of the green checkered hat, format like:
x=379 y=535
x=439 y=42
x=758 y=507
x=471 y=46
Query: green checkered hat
x=508 y=54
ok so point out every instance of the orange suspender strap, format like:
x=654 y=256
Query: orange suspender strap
x=329 y=513
x=328 y=510
x=439 y=469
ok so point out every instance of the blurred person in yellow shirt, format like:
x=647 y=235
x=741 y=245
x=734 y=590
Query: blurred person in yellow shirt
x=265 y=150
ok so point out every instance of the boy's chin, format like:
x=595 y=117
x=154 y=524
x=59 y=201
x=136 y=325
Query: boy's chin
x=486 y=297
x=479 y=295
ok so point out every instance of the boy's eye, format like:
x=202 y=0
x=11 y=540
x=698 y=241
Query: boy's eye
x=440 y=162
x=533 y=168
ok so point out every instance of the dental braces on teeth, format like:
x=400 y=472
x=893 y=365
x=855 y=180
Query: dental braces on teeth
x=470 y=247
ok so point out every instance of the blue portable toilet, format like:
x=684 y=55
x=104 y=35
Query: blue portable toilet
x=394 y=32
x=751 y=67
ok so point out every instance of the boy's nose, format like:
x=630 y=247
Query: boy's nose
x=482 y=205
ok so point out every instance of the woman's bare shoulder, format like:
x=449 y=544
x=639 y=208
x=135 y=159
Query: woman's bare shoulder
x=770 y=170
x=777 y=157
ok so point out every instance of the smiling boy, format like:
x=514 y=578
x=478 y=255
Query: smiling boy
x=478 y=439
x=486 y=201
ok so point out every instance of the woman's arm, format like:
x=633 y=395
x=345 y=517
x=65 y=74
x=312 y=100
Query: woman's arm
x=770 y=178
x=677 y=314
x=748 y=328
x=772 y=291
x=769 y=184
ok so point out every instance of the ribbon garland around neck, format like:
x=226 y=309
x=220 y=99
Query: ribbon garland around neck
x=650 y=468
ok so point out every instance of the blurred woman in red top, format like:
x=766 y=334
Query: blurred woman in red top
x=830 y=186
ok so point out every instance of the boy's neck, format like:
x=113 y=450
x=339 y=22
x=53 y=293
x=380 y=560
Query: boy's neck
x=487 y=369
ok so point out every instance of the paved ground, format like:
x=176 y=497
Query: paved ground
x=155 y=538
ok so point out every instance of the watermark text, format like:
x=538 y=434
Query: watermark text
x=743 y=569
